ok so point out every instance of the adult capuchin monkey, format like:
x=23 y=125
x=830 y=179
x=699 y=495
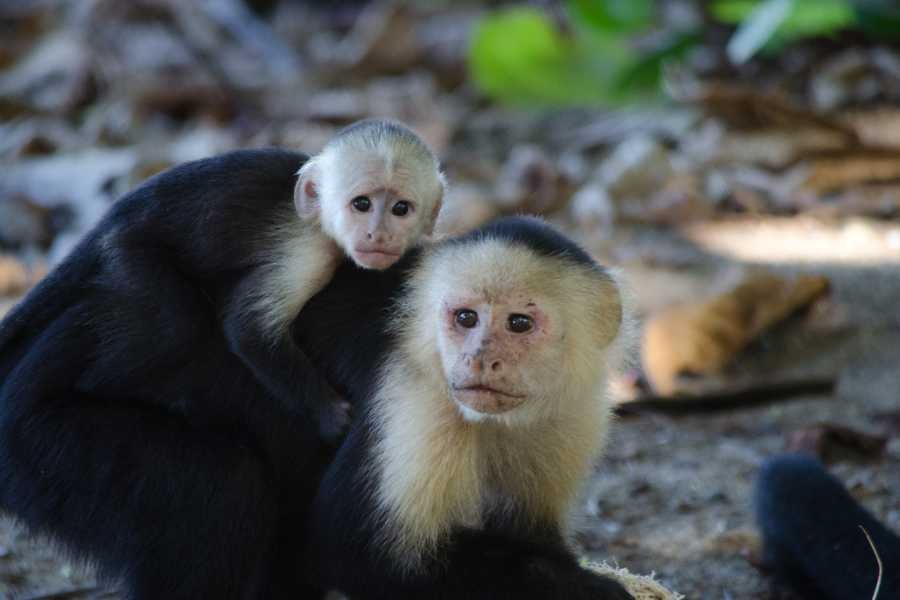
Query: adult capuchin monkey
x=155 y=413
x=485 y=413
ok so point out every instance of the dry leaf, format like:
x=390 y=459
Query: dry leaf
x=16 y=278
x=703 y=338
x=777 y=147
x=877 y=128
x=830 y=174
x=13 y=277
x=748 y=108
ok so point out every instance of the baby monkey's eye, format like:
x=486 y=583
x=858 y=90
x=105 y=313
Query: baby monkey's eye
x=467 y=318
x=520 y=323
x=361 y=203
x=401 y=208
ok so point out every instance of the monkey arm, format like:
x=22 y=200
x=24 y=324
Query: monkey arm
x=279 y=364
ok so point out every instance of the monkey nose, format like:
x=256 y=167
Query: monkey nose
x=478 y=365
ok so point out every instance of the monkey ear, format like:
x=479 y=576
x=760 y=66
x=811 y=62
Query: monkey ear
x=306 y=193
x=432 y=218
x=609 y=311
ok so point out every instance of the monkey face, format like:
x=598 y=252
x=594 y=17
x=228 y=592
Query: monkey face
x=517 y=332
x=496 y=351
x=378 y=226
x=374 y=204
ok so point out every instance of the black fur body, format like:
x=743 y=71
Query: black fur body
x=134 y=428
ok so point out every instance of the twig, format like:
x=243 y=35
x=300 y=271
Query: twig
x=713 y=401
x=877 y=560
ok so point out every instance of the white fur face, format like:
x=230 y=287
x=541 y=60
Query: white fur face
x=508 y=323
x=374 y=202
x=495 y=349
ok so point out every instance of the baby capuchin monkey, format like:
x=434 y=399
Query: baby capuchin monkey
x=232 y=239
x=372 y=192
x=484 y=419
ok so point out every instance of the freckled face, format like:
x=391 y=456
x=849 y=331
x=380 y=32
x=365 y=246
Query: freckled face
x=493 y=349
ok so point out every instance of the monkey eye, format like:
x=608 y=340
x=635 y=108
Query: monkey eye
x=467 y=318
x=361 y=203
x=520 y=323
x=401 y=208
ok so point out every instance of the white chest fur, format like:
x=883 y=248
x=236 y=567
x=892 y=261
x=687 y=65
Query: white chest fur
x=302 y=263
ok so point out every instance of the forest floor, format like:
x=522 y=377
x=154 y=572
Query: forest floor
x=687 y=200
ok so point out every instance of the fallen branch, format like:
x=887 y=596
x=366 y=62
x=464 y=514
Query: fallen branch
x=717 y=401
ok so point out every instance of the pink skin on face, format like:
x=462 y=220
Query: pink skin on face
x=380 y=237
x=484 y=363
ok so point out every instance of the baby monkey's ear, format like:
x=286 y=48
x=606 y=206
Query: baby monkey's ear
x=433 y=217
x=438 y=203
x=306 y=193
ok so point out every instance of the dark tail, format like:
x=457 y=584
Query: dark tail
x=813 y=534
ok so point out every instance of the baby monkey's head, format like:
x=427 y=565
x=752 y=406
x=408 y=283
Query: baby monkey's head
x=376 y=189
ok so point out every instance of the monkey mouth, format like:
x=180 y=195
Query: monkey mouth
x=486 y=399
x=376 y=258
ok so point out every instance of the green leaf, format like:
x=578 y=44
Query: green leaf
x=810 y=18
x=732 y=12
x=806 y=17
x=518 y=56
x=618 y=16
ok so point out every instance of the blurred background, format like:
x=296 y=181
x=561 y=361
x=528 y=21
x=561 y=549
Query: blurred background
x=738 y=160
